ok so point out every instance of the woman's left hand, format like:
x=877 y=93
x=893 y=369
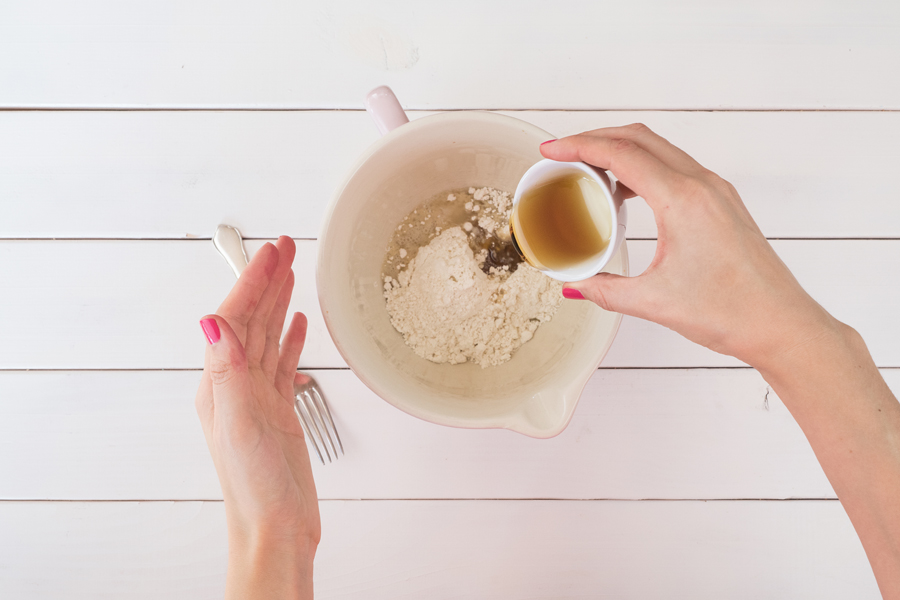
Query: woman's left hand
x=246 y=406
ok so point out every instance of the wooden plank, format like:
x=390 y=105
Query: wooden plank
x=179 y=174
x=688 y=434
x=112 y=550
x=649 y=54
x=129 y=304
x=452 y=549
x=173 y=174
x=135 y=304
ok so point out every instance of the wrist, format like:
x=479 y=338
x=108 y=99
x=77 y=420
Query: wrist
x=781 y=339
x=830 y=342
x=265 y=561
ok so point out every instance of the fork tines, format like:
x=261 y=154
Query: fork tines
x=318 y=425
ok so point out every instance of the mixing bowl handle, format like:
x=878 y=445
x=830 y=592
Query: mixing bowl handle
x=385 y=109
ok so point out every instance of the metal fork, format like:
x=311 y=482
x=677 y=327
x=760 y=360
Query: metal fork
x=309 y=403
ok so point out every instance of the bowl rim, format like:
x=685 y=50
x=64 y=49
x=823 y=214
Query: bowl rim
x=516 y=421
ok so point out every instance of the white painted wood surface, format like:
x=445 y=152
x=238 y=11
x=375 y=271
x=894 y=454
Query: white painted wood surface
x=471 y=54
x=136 y=304
x=452 y=549
x=637 y=434
x=152 y=174
x=443 y=513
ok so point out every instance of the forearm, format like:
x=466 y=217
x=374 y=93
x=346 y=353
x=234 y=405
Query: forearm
x=852 y=421
x=263 y=565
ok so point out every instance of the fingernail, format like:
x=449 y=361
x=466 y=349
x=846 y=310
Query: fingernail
x=572 y=294
x=211 y=329
x=547 y=142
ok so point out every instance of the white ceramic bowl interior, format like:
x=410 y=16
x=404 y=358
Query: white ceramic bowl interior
x=535 y=393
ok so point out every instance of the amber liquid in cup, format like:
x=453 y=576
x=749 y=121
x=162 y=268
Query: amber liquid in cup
x=562 y=223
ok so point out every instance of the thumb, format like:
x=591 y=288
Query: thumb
x=225 y=358
x=611 y=292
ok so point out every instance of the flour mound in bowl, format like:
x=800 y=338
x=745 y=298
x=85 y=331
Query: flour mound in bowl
x=450 y=311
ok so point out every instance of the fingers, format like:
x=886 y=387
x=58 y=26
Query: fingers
x=275 y=326
x=225 y=363
x=673 y=156
x=301 y=379
x=625 y=191
x=203 y=402
x=291 y=347
x=615 y=293
x=241 y=302
x=257 y=327
x=635 y=167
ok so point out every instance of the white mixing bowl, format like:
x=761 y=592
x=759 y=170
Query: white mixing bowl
x=535 y=393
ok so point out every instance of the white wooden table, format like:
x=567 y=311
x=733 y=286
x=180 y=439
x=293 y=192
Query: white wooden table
x=134 y=128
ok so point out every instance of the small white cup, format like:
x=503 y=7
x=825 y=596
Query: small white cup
x=547 y=170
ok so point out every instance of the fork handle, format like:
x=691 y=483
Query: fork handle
x=230 y=245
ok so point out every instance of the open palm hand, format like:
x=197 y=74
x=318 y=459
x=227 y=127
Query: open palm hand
x=246 y=406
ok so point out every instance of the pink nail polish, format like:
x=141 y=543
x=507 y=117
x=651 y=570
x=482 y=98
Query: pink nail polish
x=572 y=294
x=211 y=329
x=547 y=142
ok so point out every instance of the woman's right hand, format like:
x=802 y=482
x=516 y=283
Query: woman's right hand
x=715 y=279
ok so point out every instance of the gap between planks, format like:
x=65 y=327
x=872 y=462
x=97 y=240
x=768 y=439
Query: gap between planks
x=199 y=369
x=311 y=239
x=429 y=110
x=121 y=501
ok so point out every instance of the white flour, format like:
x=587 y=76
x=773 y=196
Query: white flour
x=450 y=311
